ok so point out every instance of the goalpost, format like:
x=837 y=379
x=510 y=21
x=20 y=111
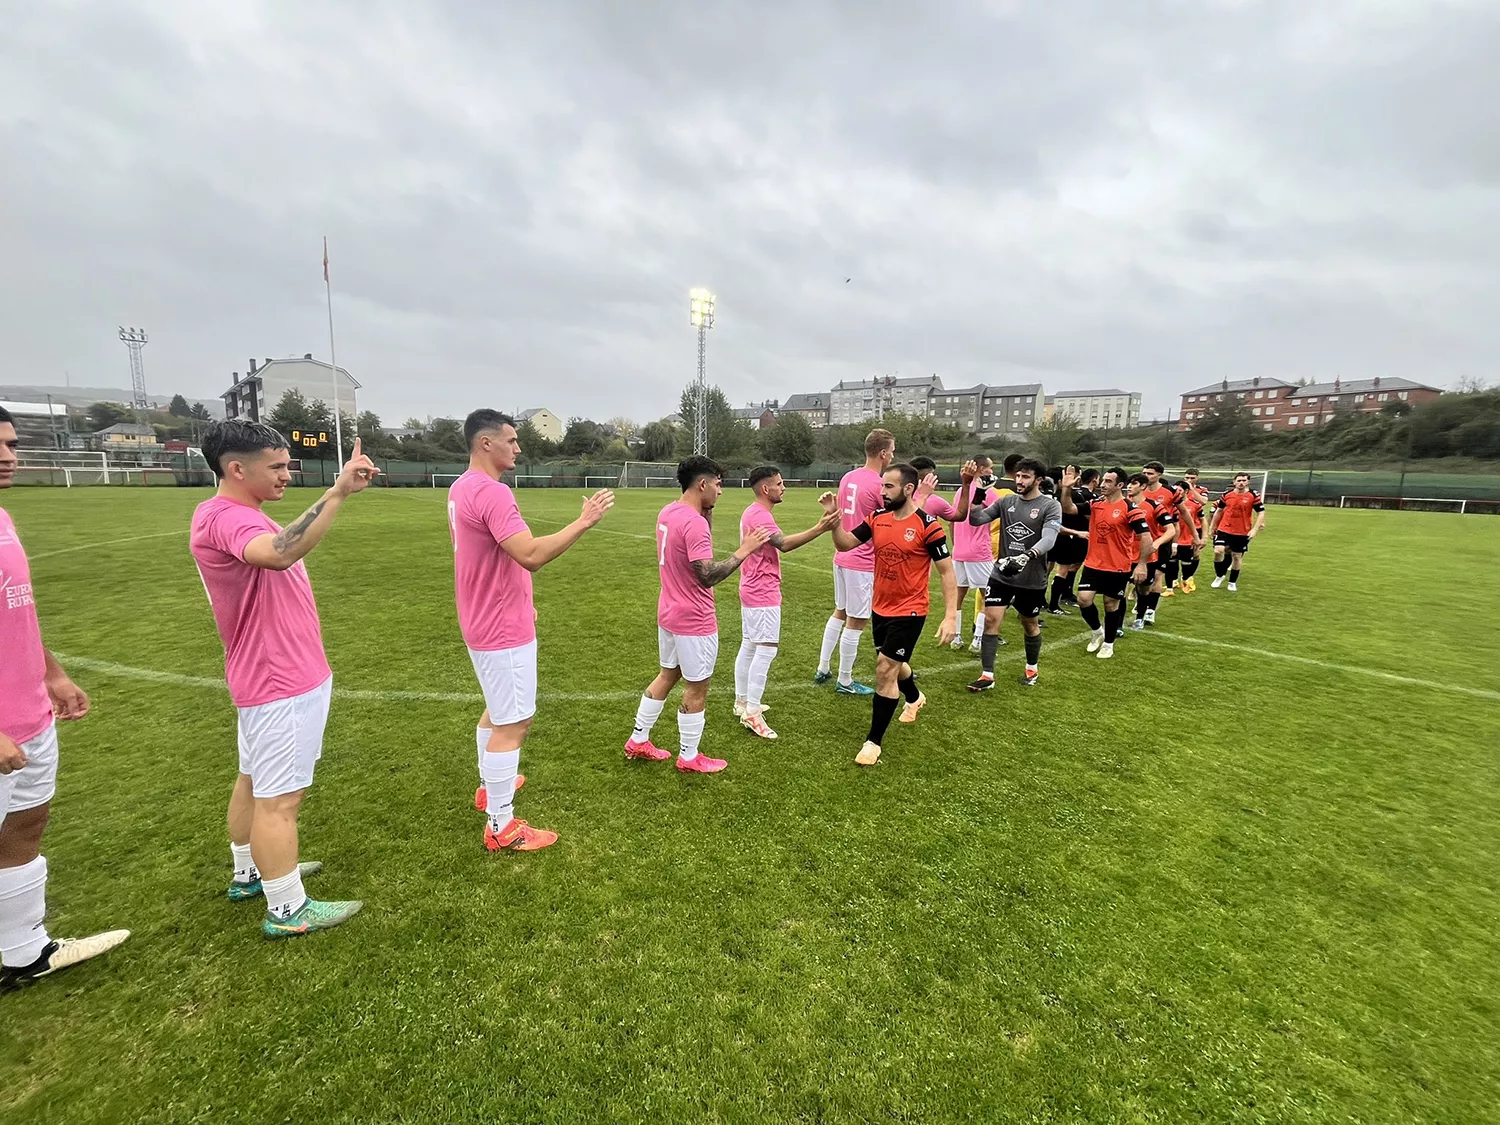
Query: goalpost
x=1215 y=481
x=648 y=474
x=443 y=480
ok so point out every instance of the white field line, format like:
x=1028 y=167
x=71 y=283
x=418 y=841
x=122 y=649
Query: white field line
x=107 y=543
x=1351 y=669
x=178 y=679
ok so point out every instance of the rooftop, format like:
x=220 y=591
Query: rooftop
x=1112 y=391
x=1257 y=384
x=1359 y=386
x=135 y=429
x=806 y=402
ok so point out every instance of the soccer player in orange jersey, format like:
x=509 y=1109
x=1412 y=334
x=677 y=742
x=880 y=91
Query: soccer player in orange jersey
x=907 y=542
x=1161 y=520
x=1119 y=548
x=1239 y=516
x=1190 y=538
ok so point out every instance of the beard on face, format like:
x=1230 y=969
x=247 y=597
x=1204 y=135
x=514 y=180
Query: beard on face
x=893 y=505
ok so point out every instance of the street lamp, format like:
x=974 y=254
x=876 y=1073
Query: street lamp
x=701 y=315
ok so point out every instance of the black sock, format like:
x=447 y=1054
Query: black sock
x=908 y=688
x=883 y=711
x=1059 y=584
x=1234 y=575
x=1190 y=568
x=1068 y=587
x=1090 y=615
x=1221 y=567
x=1153 y=600
x=987 y=646
x=1142 y=604
x=1171 y=575
x=1033 y=649
x=1113 y=619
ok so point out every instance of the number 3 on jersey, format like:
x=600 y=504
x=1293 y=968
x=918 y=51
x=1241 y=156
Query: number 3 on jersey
x=851 y=496
x=661 y=544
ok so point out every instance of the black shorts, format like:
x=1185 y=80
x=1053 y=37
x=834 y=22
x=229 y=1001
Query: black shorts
x=1069 y=550
x=1028 y=603
x=1235 y=544
x=1105 y=583
x=1164 y=553
x=1152 y=567
x=897 y=637
x=1184 y=552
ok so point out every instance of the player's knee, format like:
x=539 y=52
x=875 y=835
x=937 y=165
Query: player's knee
x=21 y=836
x=1031 y=626
x=694 y=696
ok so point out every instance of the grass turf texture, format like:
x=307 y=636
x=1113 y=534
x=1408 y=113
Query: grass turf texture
x=1195 y=883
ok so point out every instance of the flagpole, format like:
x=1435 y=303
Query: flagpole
x=338 y=429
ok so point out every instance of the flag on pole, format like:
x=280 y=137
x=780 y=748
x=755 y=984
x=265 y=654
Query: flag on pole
x=325 y=257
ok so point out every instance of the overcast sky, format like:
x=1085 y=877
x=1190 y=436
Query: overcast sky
x=1089 y=193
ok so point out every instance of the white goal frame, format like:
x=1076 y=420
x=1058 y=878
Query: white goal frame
x=442 y=480
x=81 y=477
x=600 y=482
x=1264 y=475
x=647 y=474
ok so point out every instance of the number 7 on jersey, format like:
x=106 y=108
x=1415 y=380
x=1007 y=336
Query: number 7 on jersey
x=661 y=544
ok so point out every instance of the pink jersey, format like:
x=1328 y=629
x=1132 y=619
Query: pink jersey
x=686 y=606
x=760 y=576
x=970 y=544
x=25 y=709
x=267 y=619
x=495 y=610
x=859 y=497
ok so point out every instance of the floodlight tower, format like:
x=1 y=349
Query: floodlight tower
x=701 y=312
x=135 y=339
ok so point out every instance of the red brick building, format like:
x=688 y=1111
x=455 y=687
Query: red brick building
x=1275 y=404
x=1260 y=395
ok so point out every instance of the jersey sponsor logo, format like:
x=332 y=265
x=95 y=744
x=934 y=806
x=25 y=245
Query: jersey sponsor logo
x=17 y=594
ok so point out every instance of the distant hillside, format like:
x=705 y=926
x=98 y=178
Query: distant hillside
x=81 y=397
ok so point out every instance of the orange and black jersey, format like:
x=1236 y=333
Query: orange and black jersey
x=1190 y=509
x=1115 y=527
x=1164 y=497
x=905 y=550
x=1158 y=516
x=1236 y=509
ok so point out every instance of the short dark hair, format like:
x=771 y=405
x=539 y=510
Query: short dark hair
x=1190 y=473
x=691 y=468
x=482 y=421
x=1031 y=465
x=1137 y=478
x=239 y=435
x=1120 y=477
x=7 y=416
x=1157 y=465
x=909 y=475
x=1245 y=475
x=760 y=473
x=1088 y=476
x=1011 y=461
x=924 y=464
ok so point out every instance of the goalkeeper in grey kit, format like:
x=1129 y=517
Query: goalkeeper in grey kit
x=1029 y=523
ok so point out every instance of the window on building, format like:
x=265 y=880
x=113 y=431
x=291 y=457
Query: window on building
x=1401 y=395
x=1255 y=410
x=1270 y=410
x=1309 y=420
x=1292 y=421
x=1265 y=425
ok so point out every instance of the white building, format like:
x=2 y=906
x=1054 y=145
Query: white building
x=547 y=423
x=865 y=400
x=1107 y=409
x=256 y=394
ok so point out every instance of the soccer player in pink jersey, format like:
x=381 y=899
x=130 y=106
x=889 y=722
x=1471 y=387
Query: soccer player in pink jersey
x=687 y=633
x=760 y=595
x=34 y=693
x=973 y=547
x=854 y=571
x=278 y=675
x=494 y=556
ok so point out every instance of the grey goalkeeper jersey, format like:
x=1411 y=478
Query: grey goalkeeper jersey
x=1026 y=527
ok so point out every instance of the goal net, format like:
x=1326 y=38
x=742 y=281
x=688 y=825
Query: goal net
x=648 y=474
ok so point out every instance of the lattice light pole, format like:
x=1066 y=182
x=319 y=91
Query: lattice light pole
x=135 y=339
x=701 y=310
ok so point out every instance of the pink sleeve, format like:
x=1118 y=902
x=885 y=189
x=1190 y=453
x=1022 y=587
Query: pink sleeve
x=501 y=517
x=232 y=528
x=940 y=507
x=700 y=541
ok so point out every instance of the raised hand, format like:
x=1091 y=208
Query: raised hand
x=595 y=506
x=830 y=504
x=925 y=488
x=1069 y=477
x=357 y=472
x=969 y=471
x=754 y=540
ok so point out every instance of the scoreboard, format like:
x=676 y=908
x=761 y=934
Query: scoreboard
x=310 y=439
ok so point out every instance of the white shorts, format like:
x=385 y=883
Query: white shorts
x=853 y=591
x=972 y=575
x=696 y=656
x=761 y=624
x=281 y=742
x=507 y=676
x=35 y=783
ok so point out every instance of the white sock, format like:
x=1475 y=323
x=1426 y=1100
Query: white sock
x=482 y=741
x=690 y=731
x=23 y=905
x=742 y=668
x=760 y=668
x=958 y=621
x=284 y=896
x=848 y=650
x=244 y=866
x=978 y=627
x=500 y=786
x=645 y=718
x=831 y=633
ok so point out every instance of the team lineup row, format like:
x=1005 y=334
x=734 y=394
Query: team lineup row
x=1008 y=536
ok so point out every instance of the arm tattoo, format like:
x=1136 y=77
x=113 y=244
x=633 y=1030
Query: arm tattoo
x=776 y=540
x=712 y=573
x=292 y=534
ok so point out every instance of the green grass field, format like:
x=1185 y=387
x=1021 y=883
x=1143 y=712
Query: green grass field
x=1247 y=871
